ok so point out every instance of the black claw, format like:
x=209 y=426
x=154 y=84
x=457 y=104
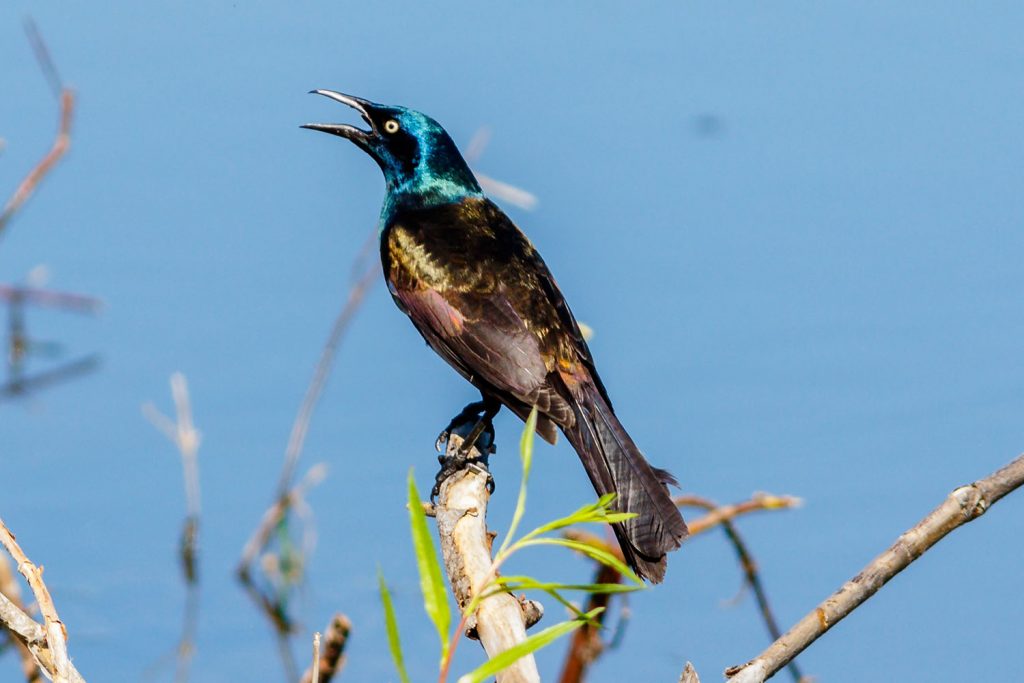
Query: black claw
x=474 y=426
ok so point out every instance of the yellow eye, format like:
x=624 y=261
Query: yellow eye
x=391 y=126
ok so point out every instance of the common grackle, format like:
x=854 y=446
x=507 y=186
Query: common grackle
x=482 y=297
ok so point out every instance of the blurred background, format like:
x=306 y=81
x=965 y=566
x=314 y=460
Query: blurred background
x=796 y=230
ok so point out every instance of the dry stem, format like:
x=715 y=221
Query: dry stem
x=48 y=643
x=36 y=175
x=10 y=589
x=329 y=658
x=586 y=644
x=963 y=505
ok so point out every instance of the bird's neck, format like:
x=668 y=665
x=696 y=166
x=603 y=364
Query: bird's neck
x=426 y=190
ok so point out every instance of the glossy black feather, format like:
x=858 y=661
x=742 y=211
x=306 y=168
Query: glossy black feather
x=484 y=300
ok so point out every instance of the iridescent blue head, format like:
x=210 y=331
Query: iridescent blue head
x=421 y=164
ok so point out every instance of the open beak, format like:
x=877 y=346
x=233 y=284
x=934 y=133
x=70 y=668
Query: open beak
x=356 y=135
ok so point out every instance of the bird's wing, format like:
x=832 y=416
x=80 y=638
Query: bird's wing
x=485 y=338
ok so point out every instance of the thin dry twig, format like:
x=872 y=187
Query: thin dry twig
x=10 y=589
x=361 y=283
x=503 y=191
x=329 y=659
x=963 y=505
x=60 y=144
x=720 y=514
x=586 y=644
x=48 y=643
x=723 y=516
x=186 y=438
x=273 y=517
x=48 y=298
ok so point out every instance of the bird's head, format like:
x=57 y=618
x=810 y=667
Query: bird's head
x=421 y=164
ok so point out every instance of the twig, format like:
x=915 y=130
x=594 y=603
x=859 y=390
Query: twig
x=586 y=644
x=720 y=514
x=182 y=433
x=506 y=192
x=273 y=517
x=186 y=438
x=48 y=298
x=315 y=673
x=329 y=659
x=963 y=505
x=10 y=589
x=60 y=144
x=22 y=385
x=357 y=293
x=501 y=620
x=48 y=643
x=723 y=516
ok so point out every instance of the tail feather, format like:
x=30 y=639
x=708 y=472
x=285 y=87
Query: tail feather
x=615 y=465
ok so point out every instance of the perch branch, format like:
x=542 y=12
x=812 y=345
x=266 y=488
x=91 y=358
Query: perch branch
x=501 y=620
x=963 y=505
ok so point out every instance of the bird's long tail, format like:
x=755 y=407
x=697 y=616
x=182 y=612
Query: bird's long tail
x=615 y=465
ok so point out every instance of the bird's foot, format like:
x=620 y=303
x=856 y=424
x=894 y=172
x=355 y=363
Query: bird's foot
x=470 y=415
x=453 y=464
x=474 y=444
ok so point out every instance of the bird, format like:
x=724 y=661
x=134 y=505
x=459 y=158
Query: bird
x=482 y=297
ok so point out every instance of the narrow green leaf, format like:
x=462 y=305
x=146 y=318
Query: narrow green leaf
x=531 y=644
x=591 y=551
x=391 y=624
x=435 y=597
x=526 y=456
x=525 y=583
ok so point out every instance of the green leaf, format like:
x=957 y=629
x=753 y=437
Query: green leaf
x=526 y=455
x=394 y=643
x=525 y=583
x=591 y=513
x=531 y=644
x=591 y=551
x=435 y=597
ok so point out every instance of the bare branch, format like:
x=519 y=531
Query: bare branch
x=963 y=505
x=46 y=164
x=9 y=589
x=501 y=620
x=48 y=643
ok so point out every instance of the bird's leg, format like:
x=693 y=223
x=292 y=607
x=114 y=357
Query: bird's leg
x=470 y=412
x=490 y=409
x=476 y=433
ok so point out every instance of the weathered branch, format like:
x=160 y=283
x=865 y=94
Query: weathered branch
x=36 y=175
x=9 y=589
x=47 y=643
x=501 y=620
x=963 y=505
